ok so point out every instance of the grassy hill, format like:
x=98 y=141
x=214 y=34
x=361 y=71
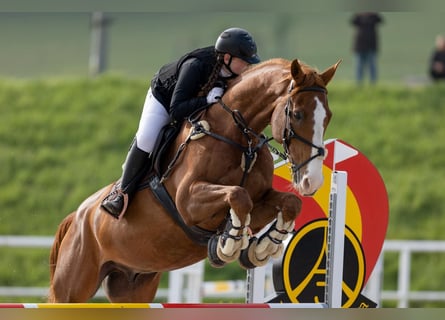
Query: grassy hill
x=63 y=139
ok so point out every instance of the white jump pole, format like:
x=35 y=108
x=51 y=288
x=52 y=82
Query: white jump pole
x=335 y=251
x=255 y=283
x=336 y=239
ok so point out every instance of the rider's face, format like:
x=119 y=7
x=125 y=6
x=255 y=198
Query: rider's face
x=237 y=65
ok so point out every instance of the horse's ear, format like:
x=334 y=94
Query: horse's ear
x=328 y=74
x=296 y=71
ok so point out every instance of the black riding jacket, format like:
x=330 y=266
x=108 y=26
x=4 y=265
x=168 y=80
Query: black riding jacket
x=177 y=85
x=366 y=37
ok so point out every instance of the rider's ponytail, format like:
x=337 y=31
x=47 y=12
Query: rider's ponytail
x=214 y=75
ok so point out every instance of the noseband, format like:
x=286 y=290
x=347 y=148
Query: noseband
x=289 y=133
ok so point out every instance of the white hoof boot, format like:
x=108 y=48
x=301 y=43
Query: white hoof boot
x=270 y=244
x=236 y=238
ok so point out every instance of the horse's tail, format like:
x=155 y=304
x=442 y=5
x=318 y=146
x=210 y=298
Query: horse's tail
x=60 y=234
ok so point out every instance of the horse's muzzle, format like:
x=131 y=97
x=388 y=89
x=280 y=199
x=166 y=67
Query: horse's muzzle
x=307 y=185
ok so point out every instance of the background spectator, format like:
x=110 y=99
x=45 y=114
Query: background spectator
x=366 y=44
x=437 y=60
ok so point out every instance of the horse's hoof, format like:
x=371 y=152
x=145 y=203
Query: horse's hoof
x=244 y=259
x=227 y=258
x=250 y=259
x=212 y=248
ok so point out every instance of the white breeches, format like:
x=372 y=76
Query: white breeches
x=153 y=118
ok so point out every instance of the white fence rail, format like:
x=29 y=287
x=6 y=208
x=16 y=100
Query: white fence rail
x=403 y=294
x=186 y=285
x=236 y=289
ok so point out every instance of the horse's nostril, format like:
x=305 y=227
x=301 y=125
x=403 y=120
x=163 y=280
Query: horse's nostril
x=306 y=184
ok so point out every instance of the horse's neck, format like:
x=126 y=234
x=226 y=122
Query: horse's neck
x=256 y=97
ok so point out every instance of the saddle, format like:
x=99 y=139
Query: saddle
x=166 y=137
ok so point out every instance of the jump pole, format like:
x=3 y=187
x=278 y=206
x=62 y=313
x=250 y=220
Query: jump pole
x=335 y=252
x=336 y=239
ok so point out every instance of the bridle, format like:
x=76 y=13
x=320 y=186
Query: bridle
x=251 y=150
x=289 y=133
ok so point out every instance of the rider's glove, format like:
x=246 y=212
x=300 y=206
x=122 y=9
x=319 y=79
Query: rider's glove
x=215 y=94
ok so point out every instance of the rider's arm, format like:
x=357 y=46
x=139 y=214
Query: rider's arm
x=184 y=99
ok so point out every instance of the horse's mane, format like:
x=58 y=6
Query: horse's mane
x=273 y=63
x=312 y=77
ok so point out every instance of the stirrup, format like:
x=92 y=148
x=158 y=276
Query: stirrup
x=113 y=194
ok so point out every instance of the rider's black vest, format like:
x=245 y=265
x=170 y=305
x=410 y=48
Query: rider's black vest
x=164 y=81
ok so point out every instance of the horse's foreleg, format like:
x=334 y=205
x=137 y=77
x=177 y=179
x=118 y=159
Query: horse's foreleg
x=204 y=200
x=234 y=238
x=287 y=206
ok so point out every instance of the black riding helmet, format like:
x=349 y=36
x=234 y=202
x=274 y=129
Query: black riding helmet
x=238 y=43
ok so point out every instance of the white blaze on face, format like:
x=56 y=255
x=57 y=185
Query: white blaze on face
x=313 y=176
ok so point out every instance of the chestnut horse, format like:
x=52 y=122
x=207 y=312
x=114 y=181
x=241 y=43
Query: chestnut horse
x=220 y=179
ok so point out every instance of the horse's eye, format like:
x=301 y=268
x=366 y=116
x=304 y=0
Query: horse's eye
x=299 y=115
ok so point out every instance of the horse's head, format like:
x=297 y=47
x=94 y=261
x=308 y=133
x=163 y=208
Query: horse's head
x=299 y=123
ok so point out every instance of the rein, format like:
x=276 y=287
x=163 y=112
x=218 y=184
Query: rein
x=250 y=151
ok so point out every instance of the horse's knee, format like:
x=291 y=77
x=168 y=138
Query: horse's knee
x=291 y=207
x=240 y=201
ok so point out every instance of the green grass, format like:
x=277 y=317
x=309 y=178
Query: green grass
x=399 y=130
x=63 y=139
x=48 y=167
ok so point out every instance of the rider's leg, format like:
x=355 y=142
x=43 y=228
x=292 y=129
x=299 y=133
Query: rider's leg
x=154 y=117
x=136 y=164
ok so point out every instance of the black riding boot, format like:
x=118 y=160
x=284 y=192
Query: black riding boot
x=135 y=166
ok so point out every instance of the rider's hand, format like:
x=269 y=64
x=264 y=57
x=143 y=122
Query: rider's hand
x=215 y=94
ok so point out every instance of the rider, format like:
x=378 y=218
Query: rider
x=197 y=79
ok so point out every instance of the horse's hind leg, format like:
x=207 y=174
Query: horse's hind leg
x=122 y=287
x=76 y=276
